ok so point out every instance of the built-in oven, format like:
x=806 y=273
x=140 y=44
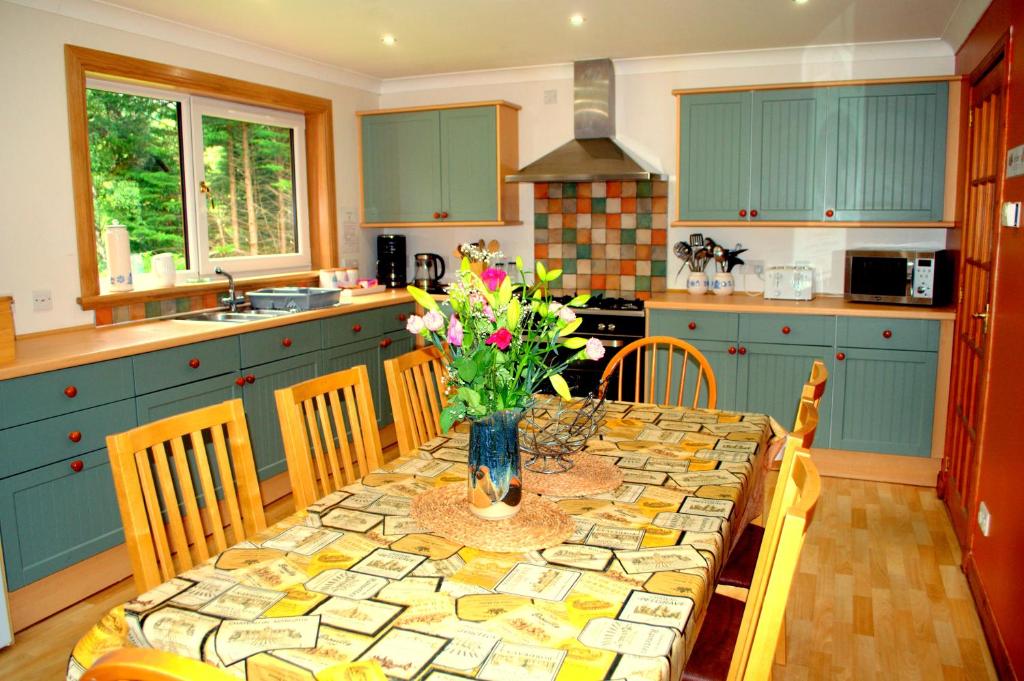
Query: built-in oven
x=899 y=277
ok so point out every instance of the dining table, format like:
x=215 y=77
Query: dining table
x=355 y=577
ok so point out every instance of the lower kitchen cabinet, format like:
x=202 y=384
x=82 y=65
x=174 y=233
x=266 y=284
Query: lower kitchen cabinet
x=723 y=365
x=771 y=376
x=883 y=401
x=56 y=516
x=261 y=410
x=372 y=352
x=397 y=344
x=183 y=398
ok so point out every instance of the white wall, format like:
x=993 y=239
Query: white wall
x=37 y=221
x=646 y=125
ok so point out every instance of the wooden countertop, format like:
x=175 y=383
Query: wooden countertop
x=822 y=304
x=62 y=349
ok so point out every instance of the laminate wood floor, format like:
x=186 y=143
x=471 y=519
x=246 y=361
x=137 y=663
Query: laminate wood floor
x=879 y=594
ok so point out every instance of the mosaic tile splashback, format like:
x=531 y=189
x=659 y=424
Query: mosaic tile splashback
x=606 y=237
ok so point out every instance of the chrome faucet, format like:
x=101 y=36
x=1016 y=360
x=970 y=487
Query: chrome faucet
x=231 y=300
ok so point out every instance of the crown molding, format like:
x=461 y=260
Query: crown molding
x=962 y=21
x=483 y=77
x=140 y=23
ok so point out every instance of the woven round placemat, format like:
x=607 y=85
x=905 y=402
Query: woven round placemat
x=540 y=524
x=589 y=475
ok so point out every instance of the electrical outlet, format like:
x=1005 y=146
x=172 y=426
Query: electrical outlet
x=756 y=266
x=984 y=519
x=551 y=96
x=42 y=300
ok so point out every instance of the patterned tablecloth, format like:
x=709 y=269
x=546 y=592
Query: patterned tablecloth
x=353 y=577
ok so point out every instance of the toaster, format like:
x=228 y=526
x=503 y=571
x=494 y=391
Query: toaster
x=790 y=282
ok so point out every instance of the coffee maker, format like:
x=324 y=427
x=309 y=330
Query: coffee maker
x=391 y=264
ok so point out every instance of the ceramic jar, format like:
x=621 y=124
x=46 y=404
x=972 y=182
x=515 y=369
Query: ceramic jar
x=723 y=284
x=697 y=283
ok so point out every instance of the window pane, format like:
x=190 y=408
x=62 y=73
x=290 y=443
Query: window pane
x=251 y=200
x=135 y=150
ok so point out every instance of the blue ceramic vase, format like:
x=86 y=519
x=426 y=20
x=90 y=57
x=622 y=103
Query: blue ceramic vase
x=495 y=470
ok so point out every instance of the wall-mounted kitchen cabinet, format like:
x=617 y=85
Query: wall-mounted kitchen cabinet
x=427 y=167
x=815 y=156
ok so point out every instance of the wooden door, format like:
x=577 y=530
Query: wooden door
x=714 y=156
x=958 y=479
x=787 y=165
x=469 y=163
x=401 y=155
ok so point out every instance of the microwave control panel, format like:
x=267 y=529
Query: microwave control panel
x=924 y=278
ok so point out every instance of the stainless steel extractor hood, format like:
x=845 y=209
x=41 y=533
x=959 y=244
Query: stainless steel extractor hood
x=593 y=155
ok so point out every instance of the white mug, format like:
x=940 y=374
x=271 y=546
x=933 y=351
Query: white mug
x=349 y=276
x=697 y=283
x=723 y=284
x=330 y=278
x=163 y=269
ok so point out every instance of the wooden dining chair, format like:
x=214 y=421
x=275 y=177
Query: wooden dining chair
x=167 y=473
x=814 y=388
x=416 y=386
x=329 y=429
x=665 y=369
x=737 y=639
x=147 y=664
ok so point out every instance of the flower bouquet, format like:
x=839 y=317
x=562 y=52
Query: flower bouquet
x=499 y=342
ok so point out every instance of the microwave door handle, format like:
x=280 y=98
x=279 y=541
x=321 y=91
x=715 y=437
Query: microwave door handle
x=910 y=270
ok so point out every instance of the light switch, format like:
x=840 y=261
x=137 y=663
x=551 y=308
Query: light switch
x=1011 y=214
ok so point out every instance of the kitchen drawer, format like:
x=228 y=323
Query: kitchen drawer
x=350 y=328
x=888 y=334
x=279 y=343
x=394 y=318
x=694 y=325
x=43 y=442
x=178 y=366
x=32 y=398
x=787 y=329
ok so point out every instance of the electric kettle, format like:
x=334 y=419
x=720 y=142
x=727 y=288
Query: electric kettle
x=427 y=272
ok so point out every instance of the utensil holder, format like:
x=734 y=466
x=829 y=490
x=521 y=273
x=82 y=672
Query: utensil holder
x=723 y=284
x=697 y=283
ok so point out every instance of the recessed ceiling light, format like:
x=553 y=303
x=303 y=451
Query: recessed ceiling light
x=388 y=39
x=578 y=19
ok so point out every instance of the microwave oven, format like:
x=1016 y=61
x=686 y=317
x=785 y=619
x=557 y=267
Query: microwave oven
x=899 y=277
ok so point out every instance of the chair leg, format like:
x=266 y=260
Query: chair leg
x=780 y=649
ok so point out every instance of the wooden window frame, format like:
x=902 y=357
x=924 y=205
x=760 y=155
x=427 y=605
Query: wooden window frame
x=83 y=62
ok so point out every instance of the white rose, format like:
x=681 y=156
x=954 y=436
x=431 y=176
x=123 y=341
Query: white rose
x=433 y=320
x=566 y=314
x=414 y=325
x=594 y=349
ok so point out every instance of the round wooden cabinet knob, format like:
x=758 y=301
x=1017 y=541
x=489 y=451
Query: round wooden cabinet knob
x=786 y=330
x=444 y=214
x=250 y=379
x=402 y=317
x=743 y=213
x=840 y=356
x=287 y=342
x=194 y=363
x=829 y=213
x=887 y=333
x=77 y=465
x=240 y=381
x=70 y=391
x=743 y=350
x=385 y=343
x=356 y=328
x=75 y=436
x=691 y=326
x=753 y=213
x=437 y=215
x=732 y=349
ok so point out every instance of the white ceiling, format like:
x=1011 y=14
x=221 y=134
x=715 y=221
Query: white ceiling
x=443 y=36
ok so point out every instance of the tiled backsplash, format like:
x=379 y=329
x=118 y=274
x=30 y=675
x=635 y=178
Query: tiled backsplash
x=606 y=237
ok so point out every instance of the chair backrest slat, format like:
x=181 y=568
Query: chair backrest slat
x=324 y=449
x=416 y=386
x=644 y=352
x=157 y=469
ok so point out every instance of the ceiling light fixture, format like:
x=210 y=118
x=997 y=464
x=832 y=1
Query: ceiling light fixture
x=388 y=39
x=577 y=20
x=800 y=2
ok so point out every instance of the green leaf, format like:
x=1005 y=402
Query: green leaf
x=571 y=327
x=505 y=291
x=574 y=343
x=466 y=368
x=470 y=397
x=449 y=415
x=553 y=274
x=579 y=301
x=422 y=297
x=560 y=386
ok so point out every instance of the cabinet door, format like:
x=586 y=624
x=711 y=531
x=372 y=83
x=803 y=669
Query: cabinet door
x=261 y=408
x=53 y=517
x=400 y=343
x=883 y=401
x=714 y=156
x=172 y=401
x=469 y=163
x=365 y=352
x=889 y=146
x=787 y=165
x=401 y=155
x=771 y=377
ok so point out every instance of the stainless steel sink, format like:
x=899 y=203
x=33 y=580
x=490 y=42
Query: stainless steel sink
x=233 y=317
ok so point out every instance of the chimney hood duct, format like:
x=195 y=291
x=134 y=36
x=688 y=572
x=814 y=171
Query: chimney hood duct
x=593 y=155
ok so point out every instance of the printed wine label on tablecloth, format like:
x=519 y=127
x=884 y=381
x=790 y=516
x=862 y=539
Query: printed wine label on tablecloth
x=690 y=583
x=619 y=515
x=738 y=427
x=688 y=522
x=347 y=584
x=640 y=667
x=303 y=540
x=333 y=647
x=522 y=663
x=678 y=426
x=388 y=563
x=440 y=568
x=332 y=499
x=624 y=493
x=704 y=541
x=279 y=575
x=237 y=640
x=710 y=507
x=582 y=557
x=659 y=434
x=469 y=647
x=434 y=548
x=628 y=637
x=658 y=609
x=158 y=595
x=660 y=559
x=401 y=525
x=403 y=653
x=459 y=589
x=667 y=465
x=452 y=454
x=720 y=455
x=391 y=505
x=482 y=607
x=631 y=461
x=366 y=617
x=655 y=478
x=743 y=446
x=355 y=521
x=360 y=499
x=242 y=603
x=700 y=478
x=178 y=631
x=581 y=528
x=238 y=558
x=429 y=468
x=203 y=592
x=615 y=537
x=645 y=416
x=533 y=581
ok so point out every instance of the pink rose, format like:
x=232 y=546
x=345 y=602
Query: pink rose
x=566 y=314
x=433 y=320
x=593 y=349
x=455 y=331
x=488 y=312
x=493 y=278
x=501 y=338
x=414 y=325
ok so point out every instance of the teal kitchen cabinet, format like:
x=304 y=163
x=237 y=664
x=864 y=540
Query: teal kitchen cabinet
x=436 y=166
x=770 y=377
x=40 y=396
x=714 y=156
x=888 y=143
x=182 y=398
x=391 y=346
x=714 y=334
x=372 y=352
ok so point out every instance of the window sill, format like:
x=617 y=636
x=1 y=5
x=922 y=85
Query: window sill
x=199 y=288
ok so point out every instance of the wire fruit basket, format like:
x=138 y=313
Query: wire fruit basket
x=553 y=430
